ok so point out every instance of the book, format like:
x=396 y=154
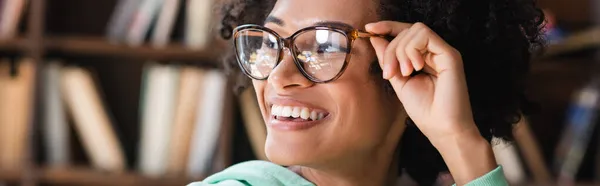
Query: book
x=159 y=91
x=506 y=155
x=208 y=124
x=198 y=23
x=55 y=126
x=255 y=125
x=142 y=21
x=183 y=124
x=120 y=20
x=16 y=106
x=164 y=24
x=12 y=11
x=573 y=144
x=91 y=119
x=4 y=77
x=531 y=152
x=1 y=9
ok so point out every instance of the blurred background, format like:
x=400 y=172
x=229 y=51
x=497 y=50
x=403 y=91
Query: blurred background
x=131 y=92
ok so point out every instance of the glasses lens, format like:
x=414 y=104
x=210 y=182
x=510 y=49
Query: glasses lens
x=257 y=52
x=322 y=53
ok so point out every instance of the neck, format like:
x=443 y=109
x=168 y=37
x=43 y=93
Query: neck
x=373 y=170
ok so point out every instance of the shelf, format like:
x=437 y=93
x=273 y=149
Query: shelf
x=579 y=41
x=13 y=44
x=102 y=47
x=87 y=176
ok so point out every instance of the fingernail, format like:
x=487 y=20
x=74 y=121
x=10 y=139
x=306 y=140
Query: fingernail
x=386 y=72
x=368 y=26
x=403 y=69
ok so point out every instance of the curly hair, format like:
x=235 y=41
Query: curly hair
x=496 y=39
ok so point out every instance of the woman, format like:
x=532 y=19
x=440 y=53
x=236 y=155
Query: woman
x=349 y=99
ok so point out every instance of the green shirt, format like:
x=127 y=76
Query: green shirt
x=264 y=173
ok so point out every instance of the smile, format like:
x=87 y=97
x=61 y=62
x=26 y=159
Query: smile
x=295 y=117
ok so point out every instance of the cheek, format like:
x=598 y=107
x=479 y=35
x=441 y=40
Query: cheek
x=363 y=117
x=364 y=112
x=259 y=89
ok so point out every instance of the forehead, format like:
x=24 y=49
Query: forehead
x=297 y=14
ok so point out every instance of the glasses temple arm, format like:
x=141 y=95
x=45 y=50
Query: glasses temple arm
x=365 y=34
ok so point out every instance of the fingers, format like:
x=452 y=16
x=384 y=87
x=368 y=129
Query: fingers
x=405 y=60
x=413 y=48
x=391 y=28
x=429 y=44
x=390 y=60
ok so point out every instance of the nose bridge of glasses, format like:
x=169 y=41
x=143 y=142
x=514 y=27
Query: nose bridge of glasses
x=286 y=47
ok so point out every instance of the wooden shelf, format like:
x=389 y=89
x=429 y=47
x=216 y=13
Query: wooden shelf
x=579 y=41
x=102 y=47
x=13 y=44
x=88 y=176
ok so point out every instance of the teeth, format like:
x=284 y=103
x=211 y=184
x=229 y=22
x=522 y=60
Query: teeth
x=313 y=115
x=286 y=111
x=275 y=110
x=296 y=112
x=304 y=114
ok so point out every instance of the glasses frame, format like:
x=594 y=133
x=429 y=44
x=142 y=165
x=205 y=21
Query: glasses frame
x=351 y=35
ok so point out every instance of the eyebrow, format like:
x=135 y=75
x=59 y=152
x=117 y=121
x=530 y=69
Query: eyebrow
x=276 y=20
x=280 y=22
x=334 y=24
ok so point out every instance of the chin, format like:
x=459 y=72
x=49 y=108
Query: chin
x=288 y=150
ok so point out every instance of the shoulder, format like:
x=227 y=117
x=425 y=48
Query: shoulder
x=253 y=173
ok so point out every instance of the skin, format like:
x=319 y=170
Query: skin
x=356 y=144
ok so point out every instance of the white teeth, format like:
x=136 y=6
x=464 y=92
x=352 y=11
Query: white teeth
x=276 y=110
x=286 y=111
x=304 y=114
x=313 y=115
x=320 y=116
x=296 y=112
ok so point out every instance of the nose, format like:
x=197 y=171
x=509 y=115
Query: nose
x=286 y=76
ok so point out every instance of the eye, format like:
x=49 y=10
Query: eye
x=330 y=48
x=268 y=43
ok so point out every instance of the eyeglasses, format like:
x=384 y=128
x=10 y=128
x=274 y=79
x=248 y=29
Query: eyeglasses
x=321 y=53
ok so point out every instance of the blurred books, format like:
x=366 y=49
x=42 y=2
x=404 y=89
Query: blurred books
x=133 y=21
x=11 y=12
x=181 y=115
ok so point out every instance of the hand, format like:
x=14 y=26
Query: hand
x=437 y=99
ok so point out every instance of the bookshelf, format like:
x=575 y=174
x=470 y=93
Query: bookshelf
x=51 y=29
x=100 y=46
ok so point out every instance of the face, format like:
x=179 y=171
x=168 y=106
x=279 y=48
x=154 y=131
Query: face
x=348 y=117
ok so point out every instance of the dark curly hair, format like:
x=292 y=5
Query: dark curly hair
x=496 y=39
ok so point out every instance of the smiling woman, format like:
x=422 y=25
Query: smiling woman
x=349 y=99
